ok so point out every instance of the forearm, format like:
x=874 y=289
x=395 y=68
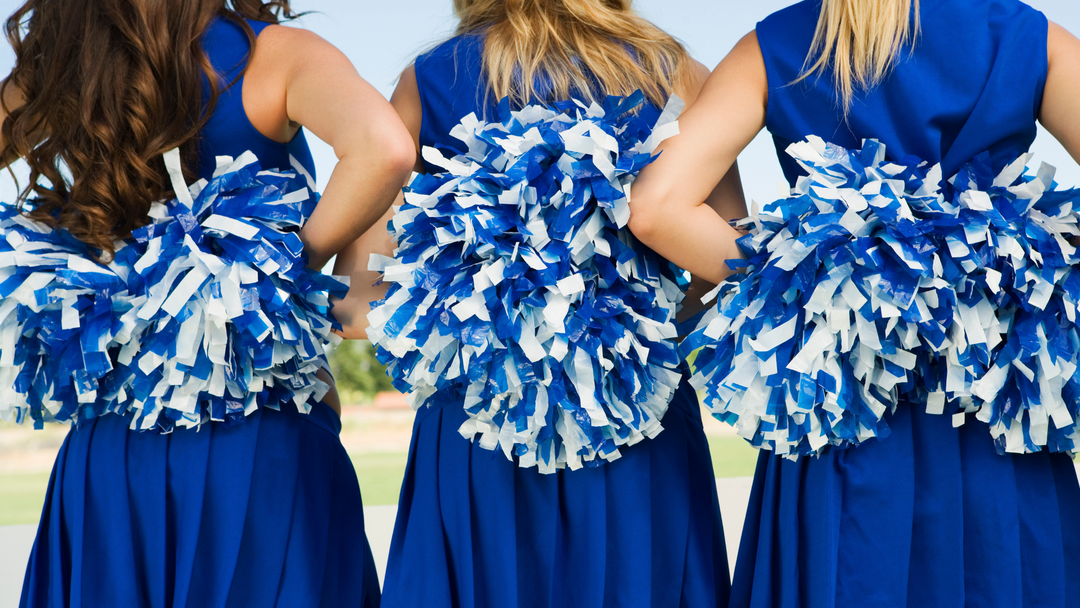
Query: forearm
x=694 y=238
x=331 y=397
x=374 y=149
x=359 y=192
x=364 y=285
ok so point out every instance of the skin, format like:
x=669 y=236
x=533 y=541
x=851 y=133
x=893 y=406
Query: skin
x=311 y=83
x=668 y=211
x=13 y=98
x=1061 y=97
x=725 y=198
x=294 y=79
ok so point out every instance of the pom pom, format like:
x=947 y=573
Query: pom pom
x=876 y=285
x=207 y=313
x=517 y=291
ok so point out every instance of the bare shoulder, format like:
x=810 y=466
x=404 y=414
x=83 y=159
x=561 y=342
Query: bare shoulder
x=407 y=90
x=697 y=76
x=13 y=97
x=1061 y=45
x=1060 y=102
x=406 y=101
x=287 y=62
x=292 y=45
x=743 y=70
x=743 y=64
x=748 y=50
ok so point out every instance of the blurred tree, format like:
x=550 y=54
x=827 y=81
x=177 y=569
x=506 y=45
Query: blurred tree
x=357 y=372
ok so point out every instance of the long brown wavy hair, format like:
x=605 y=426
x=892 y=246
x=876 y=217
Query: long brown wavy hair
x=584 y=47
x=110 y=85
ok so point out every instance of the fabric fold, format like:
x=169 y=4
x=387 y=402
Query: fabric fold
x=267 y=513
x=474 y=530
x=1002 y=530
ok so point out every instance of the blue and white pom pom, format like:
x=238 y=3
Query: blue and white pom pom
x=516 y=289
x=1026 y=271
x=206 y=314
x=872 y=286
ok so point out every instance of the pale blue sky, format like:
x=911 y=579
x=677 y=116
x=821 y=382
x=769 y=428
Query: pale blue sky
x=381 y=38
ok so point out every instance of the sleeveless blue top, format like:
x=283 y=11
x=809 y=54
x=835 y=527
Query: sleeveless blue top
x=973 y=83
x=452 y=86
x=229 y=132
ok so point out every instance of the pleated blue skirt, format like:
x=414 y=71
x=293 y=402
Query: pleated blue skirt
x=265 y=513
x=474 y=530
x=929 y=517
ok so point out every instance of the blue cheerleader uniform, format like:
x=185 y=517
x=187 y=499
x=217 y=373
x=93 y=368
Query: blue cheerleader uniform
x=931 y=515
x=263 y=513
x=474 y=529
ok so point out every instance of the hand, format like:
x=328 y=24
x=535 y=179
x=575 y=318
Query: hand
x=351 y=312
x=331 y=397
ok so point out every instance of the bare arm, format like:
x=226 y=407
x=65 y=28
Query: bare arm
x=297 y=79
x=1060 y=111
x=671 y=210
x=726 y=199
x=352 y=311
x=323 y=92
x=364 y=287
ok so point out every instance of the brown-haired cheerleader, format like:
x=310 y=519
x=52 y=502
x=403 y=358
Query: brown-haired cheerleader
x=203 y=467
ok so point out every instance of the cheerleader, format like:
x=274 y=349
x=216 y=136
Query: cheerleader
x=930 y=515
x=474 y=527
x=250 y=502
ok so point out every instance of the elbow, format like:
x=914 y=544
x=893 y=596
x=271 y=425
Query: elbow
x=387 y=152
x=397 y=154
x=400 y=154
x=643 y=223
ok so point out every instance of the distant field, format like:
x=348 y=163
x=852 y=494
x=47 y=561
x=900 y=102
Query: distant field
x=732 y=456
x=380 y=474
x=23 y=494
x=21 y=497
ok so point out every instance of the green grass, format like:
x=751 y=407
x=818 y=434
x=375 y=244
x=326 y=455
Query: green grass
x=22 y=494
x=21 y=497
x=732 y=456
x=380 y=476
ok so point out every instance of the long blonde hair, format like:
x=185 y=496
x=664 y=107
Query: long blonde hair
x=860 y=40
x=582 y=47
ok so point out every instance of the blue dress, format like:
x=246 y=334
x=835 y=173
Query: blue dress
x=930 y=516
x=476 y=530
x=264 y=513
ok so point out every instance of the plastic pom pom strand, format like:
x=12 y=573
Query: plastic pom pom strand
x=876 y=284
x=517 y=291
x=207 y=313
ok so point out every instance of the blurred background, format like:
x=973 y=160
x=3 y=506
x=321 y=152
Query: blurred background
x=381 y=38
